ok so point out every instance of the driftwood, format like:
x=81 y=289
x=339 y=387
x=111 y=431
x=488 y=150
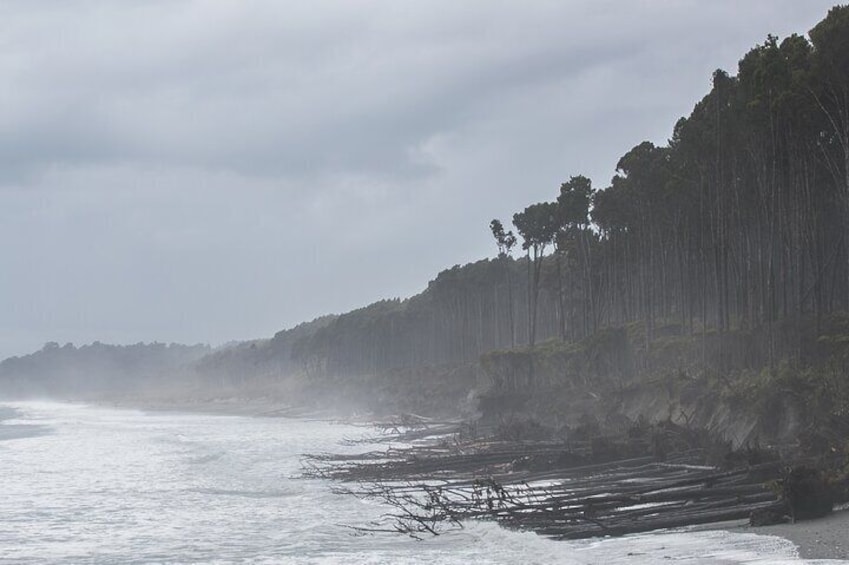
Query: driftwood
x=561 y=490
x=614 y=500
x=408 y=428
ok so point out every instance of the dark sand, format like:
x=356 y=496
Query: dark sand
x=825 y=538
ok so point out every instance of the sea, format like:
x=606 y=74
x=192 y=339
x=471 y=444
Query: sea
x=89 y=484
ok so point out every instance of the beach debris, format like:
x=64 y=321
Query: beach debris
x=560 y=489
x=807 y=493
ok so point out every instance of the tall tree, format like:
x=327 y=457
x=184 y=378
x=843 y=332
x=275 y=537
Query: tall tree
x=505 y=241
x=830 y=39
x=573 y=236
x=537 y=225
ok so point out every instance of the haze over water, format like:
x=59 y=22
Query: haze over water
x=94 y=485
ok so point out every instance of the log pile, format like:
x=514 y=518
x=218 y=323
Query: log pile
x=562 y=490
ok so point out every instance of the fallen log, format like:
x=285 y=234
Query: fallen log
x=431 y=486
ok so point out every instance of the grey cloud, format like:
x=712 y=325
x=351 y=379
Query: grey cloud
x=291 y=94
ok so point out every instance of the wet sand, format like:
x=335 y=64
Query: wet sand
x=824 y=538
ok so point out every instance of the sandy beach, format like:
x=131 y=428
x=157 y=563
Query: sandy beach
x=825 y=538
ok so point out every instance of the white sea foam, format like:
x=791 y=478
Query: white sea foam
x=121 y=486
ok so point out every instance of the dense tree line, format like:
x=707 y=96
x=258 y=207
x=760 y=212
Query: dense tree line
x=80 y=372
x=740 y=221
x=463 y=312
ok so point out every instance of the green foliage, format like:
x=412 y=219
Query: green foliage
x=819 y=395
x=830 y=39
x=537 y=225
x=734 y=223
x=602 y=361
x=574 y=201
x=504 y=240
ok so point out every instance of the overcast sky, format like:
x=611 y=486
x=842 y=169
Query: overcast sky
x=203 y=171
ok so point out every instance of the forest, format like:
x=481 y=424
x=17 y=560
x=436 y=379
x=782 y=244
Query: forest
x=740 y=223
x=71 y=372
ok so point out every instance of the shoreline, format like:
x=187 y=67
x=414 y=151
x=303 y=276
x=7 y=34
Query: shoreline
x=254 y=407
x=821 y=538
